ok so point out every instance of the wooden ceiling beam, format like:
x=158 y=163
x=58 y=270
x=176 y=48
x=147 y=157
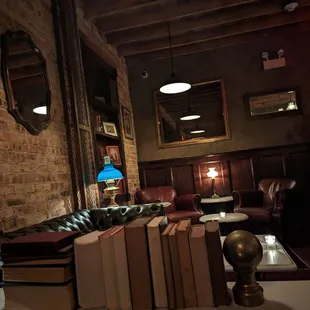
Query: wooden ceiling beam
x=162 y=11
x=208 y=20
x=244 y=26
x=288 y=30
x=95 y=8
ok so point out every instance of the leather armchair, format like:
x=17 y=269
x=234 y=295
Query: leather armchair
x=265 y=204
x=185 y=206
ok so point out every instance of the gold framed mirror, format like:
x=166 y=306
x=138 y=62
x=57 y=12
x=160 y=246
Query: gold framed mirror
x=196 y=116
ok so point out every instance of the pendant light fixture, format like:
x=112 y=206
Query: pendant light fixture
x=40 y=109
x=197 y=130
x=173 y=85
x=189 y=115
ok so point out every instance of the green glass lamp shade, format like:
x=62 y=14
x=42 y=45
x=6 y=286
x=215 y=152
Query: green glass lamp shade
x=109 y=172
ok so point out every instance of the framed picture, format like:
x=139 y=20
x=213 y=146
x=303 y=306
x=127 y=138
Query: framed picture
x=127 y=120
x=113 y=152
x=109 y=129
x=102 y=153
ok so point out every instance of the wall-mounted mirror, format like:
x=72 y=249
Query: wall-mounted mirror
x=25 y=81
x=277 y=103
x=196 y=116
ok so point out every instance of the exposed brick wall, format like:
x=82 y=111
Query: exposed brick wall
x=35 y=181
x=109 y=54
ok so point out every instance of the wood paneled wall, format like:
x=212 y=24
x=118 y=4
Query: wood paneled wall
x=237 y=170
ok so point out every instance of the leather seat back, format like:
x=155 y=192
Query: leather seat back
x=270 y=186
x=156 y=194
x=86 y=221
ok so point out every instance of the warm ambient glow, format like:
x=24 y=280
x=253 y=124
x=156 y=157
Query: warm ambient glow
x=270 y=239
x=222 y=214
x=212 y=173
x=291 y=106
x=198 y=131
x=175 y=88
x=40 y=110
x=189 y=117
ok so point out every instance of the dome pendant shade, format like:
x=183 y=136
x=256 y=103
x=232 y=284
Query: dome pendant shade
x=197 y=130
x=42 y=110
x=174 y=85
x=189 y=115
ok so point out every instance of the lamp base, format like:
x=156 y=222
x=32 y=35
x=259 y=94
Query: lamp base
x=111 y=193
x=214 y=196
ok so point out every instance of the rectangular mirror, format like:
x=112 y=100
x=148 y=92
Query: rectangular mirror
x=196 y=116
x=271 y=103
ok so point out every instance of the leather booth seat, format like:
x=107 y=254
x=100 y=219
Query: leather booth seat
x=184 y=206
x=86 y=221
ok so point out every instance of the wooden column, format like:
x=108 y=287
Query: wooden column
x=80 y=143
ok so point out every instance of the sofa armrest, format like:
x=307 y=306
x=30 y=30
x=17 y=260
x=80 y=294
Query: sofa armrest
x=190 y=202
x=248 y=198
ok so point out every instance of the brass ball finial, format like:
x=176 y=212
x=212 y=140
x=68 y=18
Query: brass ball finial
x=244 y=252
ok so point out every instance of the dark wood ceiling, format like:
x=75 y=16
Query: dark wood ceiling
x=139 y=28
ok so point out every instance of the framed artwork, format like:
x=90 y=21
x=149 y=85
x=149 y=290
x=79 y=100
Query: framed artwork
x=282 y=102
x=109 y=129
x=127 y=120
x=102 y=153
x=113 y=152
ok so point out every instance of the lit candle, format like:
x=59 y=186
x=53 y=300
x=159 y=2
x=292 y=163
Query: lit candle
x=270 y=239
x=222 y=214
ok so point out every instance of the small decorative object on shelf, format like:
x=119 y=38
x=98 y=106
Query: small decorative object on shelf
x=212 y=173
x=101 y=99
x=111 y=177
x=109 y=129
x=244 y=252
x=127 y=121
x=113 y=153
x=99 y=126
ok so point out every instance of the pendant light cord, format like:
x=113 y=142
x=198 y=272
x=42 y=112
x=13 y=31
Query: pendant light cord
x=170 y=43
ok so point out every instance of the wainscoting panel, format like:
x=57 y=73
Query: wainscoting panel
x=237 y=170
x=271 y=166
x=183 y=179
x=241 y=174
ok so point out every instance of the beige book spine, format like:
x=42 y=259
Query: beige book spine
x=157 y=266
x=122 y=276
x=89 y=276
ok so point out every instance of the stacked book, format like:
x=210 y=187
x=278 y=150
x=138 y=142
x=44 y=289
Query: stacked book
x=150 y=263
x=38 y=270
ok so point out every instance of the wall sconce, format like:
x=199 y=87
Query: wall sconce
x=212 y=173
x=273 y=63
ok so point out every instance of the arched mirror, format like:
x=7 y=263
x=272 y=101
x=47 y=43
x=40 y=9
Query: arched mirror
x=25 y=81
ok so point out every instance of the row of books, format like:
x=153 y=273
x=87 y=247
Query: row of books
x=152 y=263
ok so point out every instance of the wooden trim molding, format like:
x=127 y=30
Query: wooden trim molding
x=237 y=170
x=81 y=151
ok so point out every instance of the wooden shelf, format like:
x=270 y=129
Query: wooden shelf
x=103 y=135
x=103 y=107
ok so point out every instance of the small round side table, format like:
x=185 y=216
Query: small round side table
x=217 y=205
x=228 y=218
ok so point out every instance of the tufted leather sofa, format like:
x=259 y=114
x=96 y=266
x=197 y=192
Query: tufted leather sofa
x=86 y=221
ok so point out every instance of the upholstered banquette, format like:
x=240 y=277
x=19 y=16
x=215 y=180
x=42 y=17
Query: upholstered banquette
x=86 y=221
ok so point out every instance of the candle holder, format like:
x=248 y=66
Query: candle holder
x=270 y=240
x=222 y=214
